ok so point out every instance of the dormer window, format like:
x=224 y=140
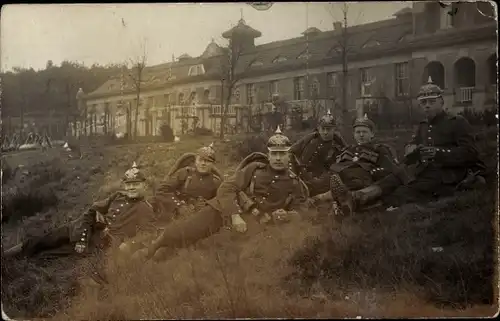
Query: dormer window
x=371 y=43
x=256 y=63
x=111 y=86
x=404 y=38
x=196 y=70
x=335 y=50
x=304 y=55
x=279 y=59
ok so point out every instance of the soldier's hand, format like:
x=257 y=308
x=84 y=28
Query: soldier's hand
x=410 y=149
x=279 y=215
x=80 y=247
x=427 y=153
x=264 y=218
x=238 y=223
x=255 y=212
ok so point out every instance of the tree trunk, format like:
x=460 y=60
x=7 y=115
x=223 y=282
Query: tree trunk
x=222 y=114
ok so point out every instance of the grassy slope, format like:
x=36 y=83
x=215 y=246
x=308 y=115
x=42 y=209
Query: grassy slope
x=252 y=275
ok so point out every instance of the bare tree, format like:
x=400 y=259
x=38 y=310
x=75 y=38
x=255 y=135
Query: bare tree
x=344 y=48
x=136 y=74
x=230 y=60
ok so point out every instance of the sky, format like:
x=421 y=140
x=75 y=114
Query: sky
x=32 y=34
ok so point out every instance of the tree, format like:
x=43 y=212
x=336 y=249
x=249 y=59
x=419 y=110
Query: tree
x=136 y=74
x=230 y=75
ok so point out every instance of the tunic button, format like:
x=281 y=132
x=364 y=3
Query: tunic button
x=82 y=239
x=273 y=182
x=448 y=150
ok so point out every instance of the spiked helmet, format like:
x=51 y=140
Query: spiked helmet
x=429 y=90
x=364 y=121
x=279 y=142
x=133 y=175
x=327 y=120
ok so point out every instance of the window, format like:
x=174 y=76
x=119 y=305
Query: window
x=371 y=43
x=279 y=59
x=298 y=88
x=273 y=88
x=304 y=55
x=333 y=79
x=402 y=80
x=206 y=96
x=236 y=95
x=256 y=63
x=196 y=70
x=335 y=50
x=192 y=98
x=250 y=94
x=367 y=79
x=181 y=98
x=314 y=88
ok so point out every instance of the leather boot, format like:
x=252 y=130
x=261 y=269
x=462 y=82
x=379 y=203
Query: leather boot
x=341 y=196
x=367 y=194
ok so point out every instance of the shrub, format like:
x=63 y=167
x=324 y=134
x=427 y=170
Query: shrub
x=167 y=133
x=202 y=131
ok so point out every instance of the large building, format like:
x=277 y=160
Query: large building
x=387 y=63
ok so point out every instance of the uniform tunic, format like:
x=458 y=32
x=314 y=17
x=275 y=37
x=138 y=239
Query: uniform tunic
x=268 y=190
x=123 y=217
x=316 y=156
x=362 y=164
x=189 y=186
x=456 y=153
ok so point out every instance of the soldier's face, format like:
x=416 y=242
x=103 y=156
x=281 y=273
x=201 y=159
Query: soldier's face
x=326 y=133
x=431 y=106
x=134 y=189
x=203 y=165
x=278 y=160
x=362 y=134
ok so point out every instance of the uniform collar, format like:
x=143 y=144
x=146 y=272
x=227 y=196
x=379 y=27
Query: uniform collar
x=437 y=118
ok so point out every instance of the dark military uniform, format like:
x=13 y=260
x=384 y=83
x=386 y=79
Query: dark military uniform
x=255 y=185
x=456 y=154
x=315 y=156
x=187 y=188
x=422 y=177
x=108 y=222
x=361 y=165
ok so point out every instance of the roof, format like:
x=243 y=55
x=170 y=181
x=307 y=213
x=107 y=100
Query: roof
x=325 y=45
x=403 y=11
x=242 y=28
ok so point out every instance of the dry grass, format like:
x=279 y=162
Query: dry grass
x=226 y=275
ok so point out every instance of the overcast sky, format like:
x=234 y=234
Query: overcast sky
x=31 y=34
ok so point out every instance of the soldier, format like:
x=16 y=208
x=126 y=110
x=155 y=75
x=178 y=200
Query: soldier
x=316 y=152
x=109 y=222
x=192 y=181
x=441 y=157
x=363 y=163
x=263 y=187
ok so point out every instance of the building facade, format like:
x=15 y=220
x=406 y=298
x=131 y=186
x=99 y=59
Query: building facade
x=387 y=63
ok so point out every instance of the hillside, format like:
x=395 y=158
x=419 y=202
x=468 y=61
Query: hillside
x=378 y=264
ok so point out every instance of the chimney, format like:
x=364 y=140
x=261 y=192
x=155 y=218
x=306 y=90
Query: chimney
x=337 y=25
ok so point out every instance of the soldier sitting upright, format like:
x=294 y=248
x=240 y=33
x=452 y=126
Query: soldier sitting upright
x=109 y=222
x=363 y=163
x=441 y=157
x=263 y=187
x=315 y=152
x=192 y=181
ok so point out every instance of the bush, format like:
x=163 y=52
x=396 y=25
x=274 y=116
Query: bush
x=444 y=252
x=202 y=131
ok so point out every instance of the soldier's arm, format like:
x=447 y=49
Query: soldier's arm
x=387 y=161
x=229 y=190
x=174 y=182
x=299 y=197
x=465 y=153
x=298 y=146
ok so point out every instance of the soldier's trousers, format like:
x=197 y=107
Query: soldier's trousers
x=426 y=186
x=58 y=238
x=356 y=178
x=190 y=229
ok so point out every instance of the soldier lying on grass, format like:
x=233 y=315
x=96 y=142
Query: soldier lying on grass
x=361 y=164
x=192 y=181
x=314 y=153
x=441 y=158
x=108 y=223
x=263 y=188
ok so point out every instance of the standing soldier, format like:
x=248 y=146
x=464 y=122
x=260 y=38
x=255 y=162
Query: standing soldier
x=363 y=163
x=263 y=187
x=316 y=152
x=192 y=181
x=441 y=158
x=109 y=222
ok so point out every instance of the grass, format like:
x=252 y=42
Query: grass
x=378 y=264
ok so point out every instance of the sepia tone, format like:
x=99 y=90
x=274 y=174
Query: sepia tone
x=249 y=160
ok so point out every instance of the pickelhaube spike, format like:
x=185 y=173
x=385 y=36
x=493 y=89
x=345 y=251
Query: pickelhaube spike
x=364 y=121
x=278 y=142
x=207 y=153
x=429 y=90
x=134 y=165
x=329 y=112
